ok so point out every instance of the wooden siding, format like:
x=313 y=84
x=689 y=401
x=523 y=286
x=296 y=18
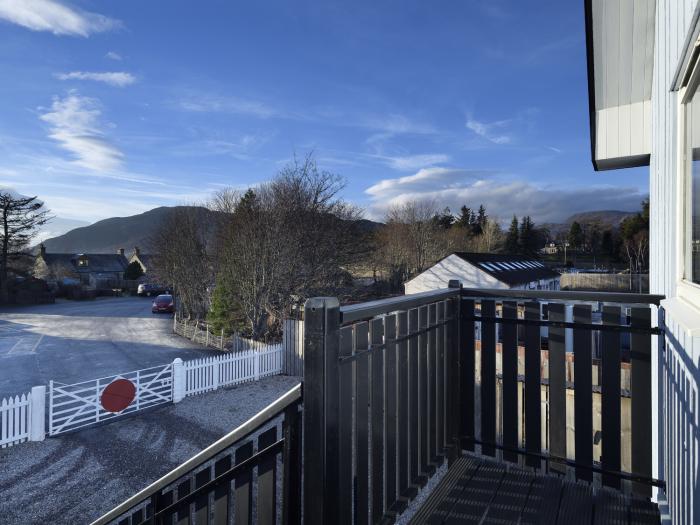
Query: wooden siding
x=677 y=430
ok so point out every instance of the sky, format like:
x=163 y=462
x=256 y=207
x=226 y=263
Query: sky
x=113 y=107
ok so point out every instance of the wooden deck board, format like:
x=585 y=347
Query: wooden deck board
x=481 y=490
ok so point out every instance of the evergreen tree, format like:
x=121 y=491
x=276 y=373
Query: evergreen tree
x=528 y=236
x=133 y=271
x=465 y=217
x=575 y=237
x=512 y=245
x=481 y=217
x=445 y=220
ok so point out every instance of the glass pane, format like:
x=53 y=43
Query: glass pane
x=693 y=192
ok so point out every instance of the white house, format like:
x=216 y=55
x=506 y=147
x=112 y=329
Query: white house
x=644 y=99
x=485 y=270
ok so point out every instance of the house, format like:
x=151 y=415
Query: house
x=89 y=269
x=485 y=270
x=145 y=260
x=644 y=105
x=550 y=248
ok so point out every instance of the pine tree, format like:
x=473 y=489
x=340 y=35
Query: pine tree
x=512 y=246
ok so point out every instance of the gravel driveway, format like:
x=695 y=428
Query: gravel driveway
x=73 y=341
x=75 y=478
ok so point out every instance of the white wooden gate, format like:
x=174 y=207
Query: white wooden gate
x=82 y=404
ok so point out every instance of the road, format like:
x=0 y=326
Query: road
x=73 y=341
x=75 y=478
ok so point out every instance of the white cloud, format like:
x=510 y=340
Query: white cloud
x=228 y=104
x=53 y=16
x=113 y=55
x=455 y=187
x=490 y=131
x=414 y=162
x=75 y=124
x=113 y=78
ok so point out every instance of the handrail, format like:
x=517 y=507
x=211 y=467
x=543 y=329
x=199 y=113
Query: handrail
x=357 y=312
x=566 y=295
x=361 y=311
x=259 y=419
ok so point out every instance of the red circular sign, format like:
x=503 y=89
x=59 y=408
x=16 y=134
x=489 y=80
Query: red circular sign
x=118 y=395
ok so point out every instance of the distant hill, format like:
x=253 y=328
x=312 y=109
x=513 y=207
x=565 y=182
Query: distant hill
x=108 y=235
x=606 y=218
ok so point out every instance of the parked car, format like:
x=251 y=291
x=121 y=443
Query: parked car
x=164 y=304
x=150 y=289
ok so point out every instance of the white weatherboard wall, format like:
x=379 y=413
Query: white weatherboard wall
x=677 y=367
x=452 y=267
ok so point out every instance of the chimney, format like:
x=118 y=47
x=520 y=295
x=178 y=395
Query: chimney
x=120 y=251
x=42 y=249
x=137 y=252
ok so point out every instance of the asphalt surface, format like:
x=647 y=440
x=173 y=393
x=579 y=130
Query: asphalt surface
x=73 y=341
x=75 y=478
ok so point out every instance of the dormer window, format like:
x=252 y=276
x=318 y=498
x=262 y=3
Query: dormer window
x=82 y=261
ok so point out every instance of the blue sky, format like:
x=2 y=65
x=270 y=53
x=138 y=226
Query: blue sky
x=109 y=108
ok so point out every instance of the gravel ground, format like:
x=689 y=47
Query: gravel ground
x=73 y=341
x=77 y=477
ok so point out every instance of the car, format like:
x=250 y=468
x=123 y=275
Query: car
x=149 y=289
x=164 y=303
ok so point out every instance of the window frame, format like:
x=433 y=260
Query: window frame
x=685 y=288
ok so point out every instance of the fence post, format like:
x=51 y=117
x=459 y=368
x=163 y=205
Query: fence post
x=215 y=372
x=321 y=405
x=37 y=426
x=179 y=380
x=256 y=364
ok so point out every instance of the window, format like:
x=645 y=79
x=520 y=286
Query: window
x=691 y=184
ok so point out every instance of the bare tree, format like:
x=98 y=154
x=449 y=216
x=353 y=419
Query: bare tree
x=21 y=217
x=285 y=241
x=182 y=258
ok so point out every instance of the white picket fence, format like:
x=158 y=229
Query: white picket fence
x=15 y=420
x=70 y=407
x=210 y=373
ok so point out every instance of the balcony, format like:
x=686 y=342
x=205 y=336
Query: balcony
x=466 y=397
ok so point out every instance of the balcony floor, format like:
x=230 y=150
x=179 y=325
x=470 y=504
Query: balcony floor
x=477 y=490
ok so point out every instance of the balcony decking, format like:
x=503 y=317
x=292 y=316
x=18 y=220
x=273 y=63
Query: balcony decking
x=478 y=490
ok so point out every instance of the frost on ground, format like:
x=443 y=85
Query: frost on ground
x=415 y=505
x=77 y=477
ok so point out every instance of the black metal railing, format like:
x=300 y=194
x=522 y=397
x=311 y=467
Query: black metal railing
x=391 y=391
x=235 y=479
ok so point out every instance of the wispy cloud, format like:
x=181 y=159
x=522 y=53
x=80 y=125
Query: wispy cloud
x=455 y=187
x=228 y=104
x=55 y=17
x=112 y=55
x=491 y=131
x=413 y=162
x=75 y=125
x=113 y=78
x=426 y=179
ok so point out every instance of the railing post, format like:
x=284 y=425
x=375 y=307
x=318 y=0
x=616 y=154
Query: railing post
x=321 y=402
x=291 y=498
x=453 y=364
x=37 y=427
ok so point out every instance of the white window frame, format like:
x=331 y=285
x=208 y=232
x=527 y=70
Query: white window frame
x=685 y=288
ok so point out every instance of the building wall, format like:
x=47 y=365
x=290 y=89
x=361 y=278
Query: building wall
x=452 y=267
x=676 y=392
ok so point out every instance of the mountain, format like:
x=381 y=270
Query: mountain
x=108 y=235
x=56 y=227
x=606 y=218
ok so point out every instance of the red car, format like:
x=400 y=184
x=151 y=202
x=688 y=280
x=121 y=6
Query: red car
x=164 y=303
